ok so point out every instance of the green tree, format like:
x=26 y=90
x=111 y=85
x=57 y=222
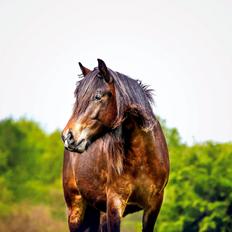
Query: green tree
x=198 y=196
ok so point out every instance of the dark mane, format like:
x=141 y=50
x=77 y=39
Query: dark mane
x=113 y=147
x=132 y=97
x=147 y=90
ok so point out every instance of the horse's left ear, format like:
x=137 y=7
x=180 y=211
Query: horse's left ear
x=104 y=71
x=84 y=70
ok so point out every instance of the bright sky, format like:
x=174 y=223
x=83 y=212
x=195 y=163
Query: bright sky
x=183 y=49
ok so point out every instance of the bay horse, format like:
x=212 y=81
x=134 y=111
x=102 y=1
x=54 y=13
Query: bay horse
x=116 y=158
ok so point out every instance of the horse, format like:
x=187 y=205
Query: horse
x=116 y=159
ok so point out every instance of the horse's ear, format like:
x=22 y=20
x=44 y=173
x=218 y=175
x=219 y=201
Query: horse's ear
x=84 y=70
x=104 y=71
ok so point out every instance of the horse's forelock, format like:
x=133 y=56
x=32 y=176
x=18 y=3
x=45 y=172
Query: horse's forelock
x=85 y=89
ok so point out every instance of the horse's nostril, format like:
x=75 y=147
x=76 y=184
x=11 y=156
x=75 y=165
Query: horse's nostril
x=70 y=138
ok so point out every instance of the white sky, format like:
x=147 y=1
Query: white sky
x=183 y=49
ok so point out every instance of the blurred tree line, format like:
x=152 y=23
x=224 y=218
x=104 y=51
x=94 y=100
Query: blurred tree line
x=198 y=196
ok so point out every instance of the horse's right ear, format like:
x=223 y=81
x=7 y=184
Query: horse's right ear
x=84 y=70
x=104 y=71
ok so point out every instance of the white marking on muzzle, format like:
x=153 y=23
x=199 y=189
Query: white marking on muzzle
x=66 y=143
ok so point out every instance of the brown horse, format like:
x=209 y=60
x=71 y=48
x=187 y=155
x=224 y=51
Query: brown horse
x=116 y=158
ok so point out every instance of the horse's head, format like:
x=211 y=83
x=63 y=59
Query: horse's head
x=95 y=109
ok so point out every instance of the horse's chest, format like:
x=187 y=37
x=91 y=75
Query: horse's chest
x=91 y=177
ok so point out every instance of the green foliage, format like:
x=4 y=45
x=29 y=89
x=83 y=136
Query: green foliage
x=198 y=196
x=30 y=164
x=199 y=193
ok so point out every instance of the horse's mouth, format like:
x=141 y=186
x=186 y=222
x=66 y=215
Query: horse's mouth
x=79 y=147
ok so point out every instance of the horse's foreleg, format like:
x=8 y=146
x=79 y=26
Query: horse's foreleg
x=116 y=205
x=151 y=213
x=83 y=218
x=114 y=215
x=76 y=210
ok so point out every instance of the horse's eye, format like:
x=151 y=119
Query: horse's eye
x=97 y=97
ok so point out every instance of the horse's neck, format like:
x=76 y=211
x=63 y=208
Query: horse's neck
x=135 y=136
x=140 y=138
x=150 y=144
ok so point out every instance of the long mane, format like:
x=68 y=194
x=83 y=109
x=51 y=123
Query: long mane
x=132 y=98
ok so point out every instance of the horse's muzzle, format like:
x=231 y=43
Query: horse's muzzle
x=74 y=146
